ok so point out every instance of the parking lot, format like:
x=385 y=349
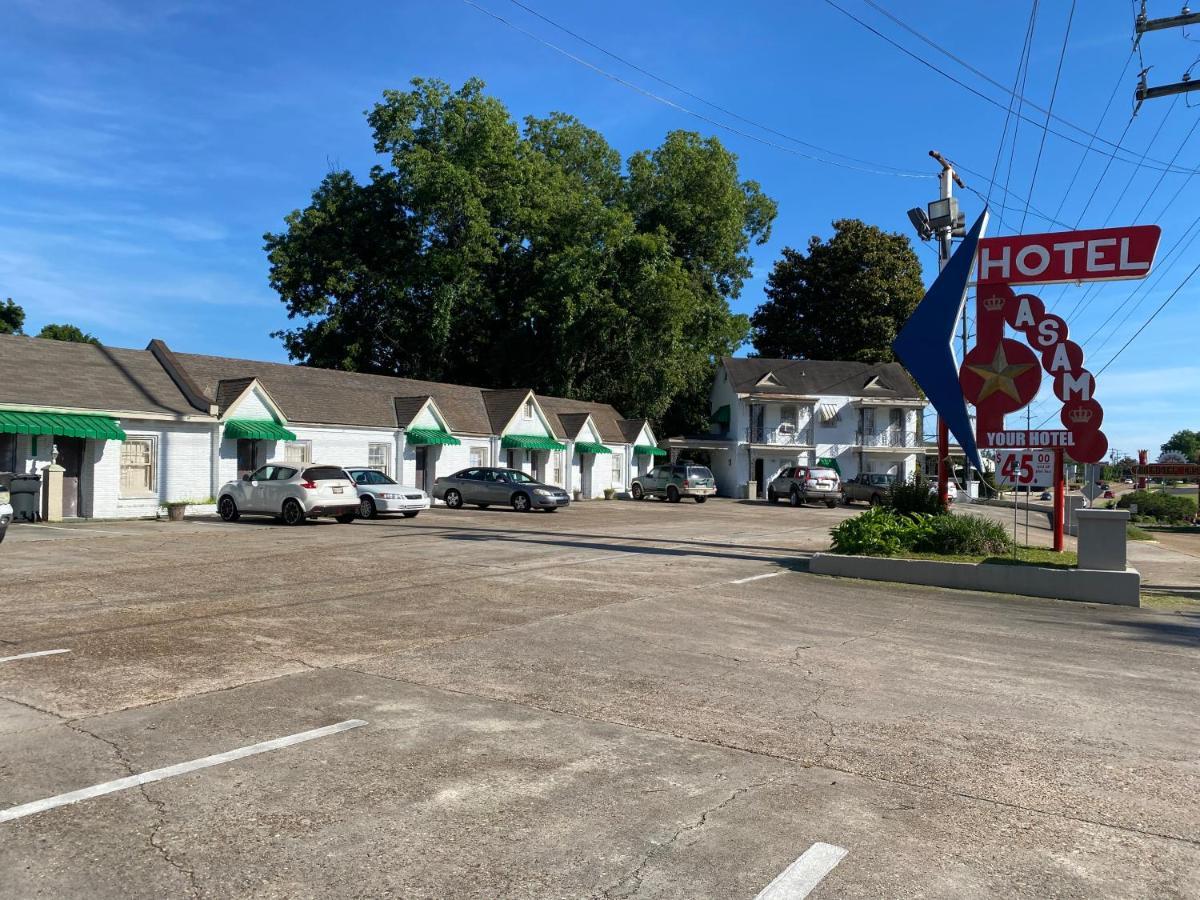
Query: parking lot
x=621 y=700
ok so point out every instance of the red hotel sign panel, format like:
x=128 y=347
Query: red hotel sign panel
x=1102 y=254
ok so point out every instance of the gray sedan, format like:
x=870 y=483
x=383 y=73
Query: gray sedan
x=485 y=487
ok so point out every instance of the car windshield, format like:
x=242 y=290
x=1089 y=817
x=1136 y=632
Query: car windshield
x=699 y=472
x=827 y=474
x=518 y=477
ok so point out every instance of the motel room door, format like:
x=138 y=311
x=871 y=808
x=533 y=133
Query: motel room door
x=70 y=457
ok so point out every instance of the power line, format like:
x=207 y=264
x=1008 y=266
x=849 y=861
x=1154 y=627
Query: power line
x=697 y=115
x=687 y=93
x=1011 y=99
x=1023 y=71
x=1093 y=149
x=1152 y=317
x=1053 y=93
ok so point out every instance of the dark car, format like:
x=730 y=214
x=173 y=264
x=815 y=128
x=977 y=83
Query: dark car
x=870 y=487
x=487 y=486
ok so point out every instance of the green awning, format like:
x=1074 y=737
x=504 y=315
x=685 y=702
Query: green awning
x=647 y=450
x=100 y=428
x=257 y=430
x=529 y=442
x=830 y=463
x=423 y=436
x=721 y=416
x=589 y=447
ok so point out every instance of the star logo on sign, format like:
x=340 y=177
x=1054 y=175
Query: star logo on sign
x=1000 y=376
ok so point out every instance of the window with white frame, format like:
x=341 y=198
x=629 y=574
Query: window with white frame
x=618 y=470
x=477 y=456
x=378 y=457
x=139 y=469
x=298 y=452
x=556 y=462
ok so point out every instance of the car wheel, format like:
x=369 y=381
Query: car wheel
x=794 y=497
x=637 y=492
x=347 y=518
x=673 y=494
x=700 y=499
x=366 y=508
x=875 y=500
x=772 y=497
x=410 y=515
x=520 y=502
x=293 y=512
x=453 y=499
x=228 y=510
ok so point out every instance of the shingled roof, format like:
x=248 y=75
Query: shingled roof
x=330 y=396
x=64 y=375
x=814 y=377
x=606 y=418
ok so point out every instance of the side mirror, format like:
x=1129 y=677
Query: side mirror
x=246 y=477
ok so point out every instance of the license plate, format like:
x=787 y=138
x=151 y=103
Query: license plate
x=337 y=490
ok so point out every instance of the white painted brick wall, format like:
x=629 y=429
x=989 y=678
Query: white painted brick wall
x=183 y=469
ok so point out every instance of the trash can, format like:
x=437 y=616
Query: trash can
x=25 y=495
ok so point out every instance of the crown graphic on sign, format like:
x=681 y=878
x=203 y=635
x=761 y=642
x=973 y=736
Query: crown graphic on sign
x=1082 y=416
x=993 y=304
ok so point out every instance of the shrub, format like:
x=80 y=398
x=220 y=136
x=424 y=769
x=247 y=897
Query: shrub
x=1167 y=507
x=963 y=535
x=878 y=532
x=917 y=496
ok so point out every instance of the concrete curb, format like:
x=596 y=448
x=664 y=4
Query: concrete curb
x=1087 y=585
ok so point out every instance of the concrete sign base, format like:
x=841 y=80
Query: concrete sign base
x=1086 y=585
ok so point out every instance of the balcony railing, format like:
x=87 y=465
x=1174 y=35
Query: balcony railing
x=783 y=435
x=890 y=437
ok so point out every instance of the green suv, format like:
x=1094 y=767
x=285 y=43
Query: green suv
x=674 y=482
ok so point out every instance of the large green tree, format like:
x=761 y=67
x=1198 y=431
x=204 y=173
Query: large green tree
x=845 y=299
x=1186 y=442
x=12 y=317
x=484 y=252
x=72 y=333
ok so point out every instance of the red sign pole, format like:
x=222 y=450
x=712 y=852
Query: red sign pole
x=1059 y=500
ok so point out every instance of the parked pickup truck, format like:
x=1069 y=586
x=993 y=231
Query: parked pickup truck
x=869 y=487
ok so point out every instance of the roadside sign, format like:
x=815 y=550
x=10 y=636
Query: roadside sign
x=1167 y=470
x=1102 y=254
x=1025 y=468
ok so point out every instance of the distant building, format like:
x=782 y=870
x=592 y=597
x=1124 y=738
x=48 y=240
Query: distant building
x=768 y=414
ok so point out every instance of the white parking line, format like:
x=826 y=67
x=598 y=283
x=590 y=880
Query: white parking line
x=120 y=784
x=4 y=659
x=756 y=577
x=797 y=880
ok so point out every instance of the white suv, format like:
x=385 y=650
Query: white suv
x=6 y=514
x=293 y=493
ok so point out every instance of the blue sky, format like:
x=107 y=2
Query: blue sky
x=145 y=148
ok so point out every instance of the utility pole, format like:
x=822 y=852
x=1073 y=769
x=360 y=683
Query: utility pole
x=945 y=221
x=1143 y=24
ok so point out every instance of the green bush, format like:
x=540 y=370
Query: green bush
x=917 y=496
x=877 y=532
x=1166 y=507
x=881 y=532
x=964 y=535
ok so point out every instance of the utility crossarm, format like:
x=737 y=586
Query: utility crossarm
x=1141 y=24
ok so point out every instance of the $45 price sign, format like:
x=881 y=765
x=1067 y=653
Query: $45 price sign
x=1025 y=468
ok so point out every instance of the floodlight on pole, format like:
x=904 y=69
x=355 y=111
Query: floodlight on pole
x=920 y=222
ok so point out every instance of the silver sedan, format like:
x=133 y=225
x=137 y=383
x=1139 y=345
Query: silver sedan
x=485 y=487
x=377 y=493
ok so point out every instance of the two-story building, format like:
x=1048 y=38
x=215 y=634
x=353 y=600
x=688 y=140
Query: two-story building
x=768 y=414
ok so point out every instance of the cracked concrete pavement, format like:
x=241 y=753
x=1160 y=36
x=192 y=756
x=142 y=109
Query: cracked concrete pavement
x=577 y=706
